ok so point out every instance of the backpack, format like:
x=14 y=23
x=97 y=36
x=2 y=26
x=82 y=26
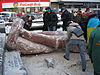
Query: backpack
x=78 y=32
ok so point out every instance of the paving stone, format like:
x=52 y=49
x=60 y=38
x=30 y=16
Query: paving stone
x=13 y=64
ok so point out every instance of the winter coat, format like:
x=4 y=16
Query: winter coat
x=50 y=19
x=94 y=49
x=71 y=35
x=44 y=21
x=66 y=16
x=28 y=24
x=78 y=18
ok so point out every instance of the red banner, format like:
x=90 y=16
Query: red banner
x=8 y=1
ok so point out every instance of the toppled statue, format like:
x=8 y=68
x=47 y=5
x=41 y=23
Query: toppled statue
x=32 y=42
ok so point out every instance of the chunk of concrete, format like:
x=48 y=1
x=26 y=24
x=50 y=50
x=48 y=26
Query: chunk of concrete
x=50 y=62
x=13 y=64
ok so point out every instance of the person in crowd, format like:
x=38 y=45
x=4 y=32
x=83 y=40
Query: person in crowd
x=75 y=40
x=88 y=12
x=75 y=13
x=54 y=12
x=79 y=11
x=84 y=24
x=81 y=19
x=65 y=17
x=28 y=22
x=72 y=15
x=78 y=17
x=94 y=49
x=44 y=21
x=93 y=22
x=50 y=19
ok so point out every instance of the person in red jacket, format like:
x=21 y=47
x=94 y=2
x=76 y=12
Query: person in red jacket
x=79 y=11
x=88 y=12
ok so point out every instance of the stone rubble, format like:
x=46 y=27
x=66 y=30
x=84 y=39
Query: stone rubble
x=50 y=62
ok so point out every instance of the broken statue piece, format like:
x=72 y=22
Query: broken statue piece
x=17 y=25
x=28 y=47
x=53 y=39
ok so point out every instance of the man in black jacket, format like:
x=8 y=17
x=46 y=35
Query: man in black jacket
x=44 y=21
x=50 y=20
x=28 y=22
x=65 y=17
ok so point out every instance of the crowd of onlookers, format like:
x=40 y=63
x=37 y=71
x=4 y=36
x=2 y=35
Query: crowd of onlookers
x=50 y=20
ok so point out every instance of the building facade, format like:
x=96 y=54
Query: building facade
x=74 y=4
x=40 y=5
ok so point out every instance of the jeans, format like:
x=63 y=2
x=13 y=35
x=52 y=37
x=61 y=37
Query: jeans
x=81 y=46
x=52 y=28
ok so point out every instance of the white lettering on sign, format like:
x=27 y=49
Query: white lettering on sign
x=29 y=4
x=25 y=4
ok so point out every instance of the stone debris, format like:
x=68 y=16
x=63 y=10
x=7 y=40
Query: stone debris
x=50 y=62
x=13 y=64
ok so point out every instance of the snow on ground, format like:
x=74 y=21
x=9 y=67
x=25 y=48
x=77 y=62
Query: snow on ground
x=36 y=65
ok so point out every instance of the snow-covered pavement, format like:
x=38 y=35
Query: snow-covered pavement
x=36 y=65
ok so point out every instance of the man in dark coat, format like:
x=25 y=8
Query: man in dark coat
x=50 y=20
x=44 y=21
x=94 y=49
x=65 y=17
x=28 y=22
